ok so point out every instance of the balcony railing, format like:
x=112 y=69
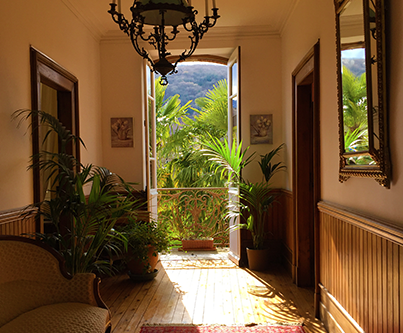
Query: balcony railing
x=195 y=212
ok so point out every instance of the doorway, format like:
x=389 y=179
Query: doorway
x=55 y=91
x=173 y=144
x=306 y=169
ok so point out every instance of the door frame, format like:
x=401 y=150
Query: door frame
x=150 y=155
x=47 y=71
x=234 y=93
x=307 y=69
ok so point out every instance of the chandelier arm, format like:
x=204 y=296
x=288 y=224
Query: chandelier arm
x=119 y=19
x=209 y=22
x=150 y=39
x=174 y=33
x=187 y=53
x=141 y=51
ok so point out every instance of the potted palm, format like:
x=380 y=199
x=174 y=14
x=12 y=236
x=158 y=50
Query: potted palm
x=255 y=199
x=82 y=224
x=143 y=241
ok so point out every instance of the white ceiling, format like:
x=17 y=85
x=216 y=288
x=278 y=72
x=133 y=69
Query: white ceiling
x=263 y=16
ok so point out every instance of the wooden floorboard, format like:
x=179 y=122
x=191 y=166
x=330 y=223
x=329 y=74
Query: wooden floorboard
x=197 y=295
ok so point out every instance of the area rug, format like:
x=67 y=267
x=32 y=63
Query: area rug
x=221 y=329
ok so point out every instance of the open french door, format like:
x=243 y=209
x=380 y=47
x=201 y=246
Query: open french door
x=234 y=139
x=151 y=141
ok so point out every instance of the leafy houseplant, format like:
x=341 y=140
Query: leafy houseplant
x=83 y=224
x=144 y=240
x=255 y=198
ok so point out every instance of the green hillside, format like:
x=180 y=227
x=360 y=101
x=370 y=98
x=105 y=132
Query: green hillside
x=193 y=80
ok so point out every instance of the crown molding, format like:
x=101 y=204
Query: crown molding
x=287 y=15
x=87 y=21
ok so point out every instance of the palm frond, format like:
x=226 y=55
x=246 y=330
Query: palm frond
x=269 y=169
x=65 y=135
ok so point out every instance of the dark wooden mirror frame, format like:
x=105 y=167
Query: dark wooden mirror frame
x=381 y=170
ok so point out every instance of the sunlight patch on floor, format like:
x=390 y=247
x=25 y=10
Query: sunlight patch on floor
x=177 y=259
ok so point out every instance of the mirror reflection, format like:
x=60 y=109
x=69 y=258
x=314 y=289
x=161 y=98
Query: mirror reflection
x=362 y=111
x=354 y=83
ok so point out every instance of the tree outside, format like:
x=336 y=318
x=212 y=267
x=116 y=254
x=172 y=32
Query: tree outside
x=180 y=130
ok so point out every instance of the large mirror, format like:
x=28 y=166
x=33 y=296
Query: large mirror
x=361 y=72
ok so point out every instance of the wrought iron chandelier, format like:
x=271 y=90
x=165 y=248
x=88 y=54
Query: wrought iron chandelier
x=162 y=14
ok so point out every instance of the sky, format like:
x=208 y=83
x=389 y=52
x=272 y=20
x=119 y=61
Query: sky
x=354 y=53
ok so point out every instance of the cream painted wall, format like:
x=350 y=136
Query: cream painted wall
x=52 y=28
x=313 y=20
x=121 y=73
x=121 y=94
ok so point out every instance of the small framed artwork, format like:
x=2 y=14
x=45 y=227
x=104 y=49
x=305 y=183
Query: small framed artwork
x=122 y=132
x=261 y=129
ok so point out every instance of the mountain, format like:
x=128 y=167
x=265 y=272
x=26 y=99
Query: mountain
x=194 y=79
x=355 y=65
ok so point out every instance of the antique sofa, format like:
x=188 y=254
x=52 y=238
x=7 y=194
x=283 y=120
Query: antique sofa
x=37 y=294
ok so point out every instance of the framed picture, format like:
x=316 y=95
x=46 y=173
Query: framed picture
x=261 y=129
x=122 y=132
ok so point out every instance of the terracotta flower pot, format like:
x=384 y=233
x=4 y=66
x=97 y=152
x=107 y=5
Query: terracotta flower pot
x=258 y=260
x=198 y=244
x=137 y=267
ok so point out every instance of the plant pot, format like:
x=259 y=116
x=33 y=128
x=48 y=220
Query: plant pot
x=258 y=260
x=198 y=244
x=138 y=267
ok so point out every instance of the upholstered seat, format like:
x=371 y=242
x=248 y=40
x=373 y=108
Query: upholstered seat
x=37 y=295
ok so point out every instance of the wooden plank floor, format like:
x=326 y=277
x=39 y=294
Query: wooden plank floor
x=191 y=294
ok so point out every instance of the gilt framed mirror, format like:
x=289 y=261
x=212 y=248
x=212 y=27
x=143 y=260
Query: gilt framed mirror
x=361 y=85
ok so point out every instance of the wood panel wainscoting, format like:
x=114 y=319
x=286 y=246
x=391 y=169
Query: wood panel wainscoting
x=361 y=272
x=18 y=221
x=287 y=228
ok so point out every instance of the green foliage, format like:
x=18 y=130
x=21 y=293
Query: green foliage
x=356 y=140
x=354 y=99
x=269 y=169
x=229 y=161
x=180 y=163
x=83 y=224
x=355 y=113
x=139 y=235
x=255 y=198
x=168 y=113
x=214 y=110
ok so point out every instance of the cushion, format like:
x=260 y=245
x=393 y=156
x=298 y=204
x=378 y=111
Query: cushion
x=21 y=296
x=60 y=318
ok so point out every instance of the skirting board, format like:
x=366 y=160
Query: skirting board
x=334 y=317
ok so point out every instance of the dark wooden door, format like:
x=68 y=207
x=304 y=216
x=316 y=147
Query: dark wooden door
x=306 y=170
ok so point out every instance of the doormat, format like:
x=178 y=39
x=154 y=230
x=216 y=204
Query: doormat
x=198 y=263
x=221 y=329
